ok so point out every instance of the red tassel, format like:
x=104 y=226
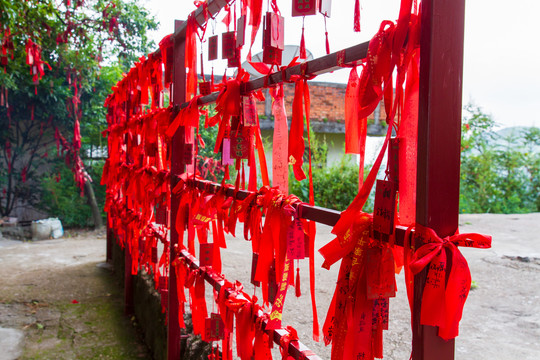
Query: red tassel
x=357 y=16
x=378 y=340
x=326 y=34
x=327 y=44
x=302 y=44
x=298 y=293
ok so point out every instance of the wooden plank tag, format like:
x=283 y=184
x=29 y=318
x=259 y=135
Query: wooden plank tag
x=213 y=47
x=228 y=45
x=162 y=216
x=249 y=111
x=272 y=284
x=214 y=328
x=325 y=7
x=385 y=204
x=240 y=144
x=188 y=154
x=206 y=254
x=205 y=88
x=304 y=7
x=241 y=31
x=380 y=277
x=295 y=240
x=235 y=60
x=254 y=261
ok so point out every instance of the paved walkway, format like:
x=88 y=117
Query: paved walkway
x=68 y=307
x=57 y=302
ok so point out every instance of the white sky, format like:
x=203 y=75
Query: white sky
x=502 y=50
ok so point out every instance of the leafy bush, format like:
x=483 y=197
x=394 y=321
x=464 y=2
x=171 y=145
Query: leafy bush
x=61 y=198
x=499 y=174
x=335 y=186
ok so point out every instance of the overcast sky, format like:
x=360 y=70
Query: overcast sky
x=502 y=51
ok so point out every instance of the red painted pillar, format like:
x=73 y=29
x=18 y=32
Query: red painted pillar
x=177 y=167
x=439 y=141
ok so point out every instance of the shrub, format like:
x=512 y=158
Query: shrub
x=499 y=174
x=335 y=186
x=61 y=198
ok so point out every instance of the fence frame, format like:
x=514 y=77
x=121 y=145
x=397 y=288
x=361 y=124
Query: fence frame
x=438 y=166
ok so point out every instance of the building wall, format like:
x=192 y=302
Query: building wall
x=327 y=102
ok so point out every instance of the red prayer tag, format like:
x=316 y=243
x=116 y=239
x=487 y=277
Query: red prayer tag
x=235 y=60
x=228 y=45
x=241 y=31
x=274 y=31
x=304 y=7
x=240 y=144
x=162 y=216
x=272 y=284
x=212 y=47
x=325 y=7
x=272 y=56
x=393 y=161
x=154 y=255
x=205 y=88
x=385 y=203
x=254 y=261
x=188 y=154
x=381 y=310
x=250 y=111
x=273 y=38
x=163 y=282
x=206 y=252
x=226 y=153
x=141 y=246
x=380 y=273
x=296 y=240
x=217 y=327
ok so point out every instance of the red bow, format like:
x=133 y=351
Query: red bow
x=447 y=286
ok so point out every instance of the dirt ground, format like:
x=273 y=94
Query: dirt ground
x=64 y=301
x=40 y=280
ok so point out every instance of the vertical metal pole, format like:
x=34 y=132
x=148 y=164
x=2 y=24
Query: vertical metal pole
x=128 y=278
x=109 y=234
x=439 y=141
x=177 y=167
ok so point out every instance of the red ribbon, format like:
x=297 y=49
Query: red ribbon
x=448 y=277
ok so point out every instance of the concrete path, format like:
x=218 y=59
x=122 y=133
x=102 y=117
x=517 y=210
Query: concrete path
x=67 y=307
x=41 y=280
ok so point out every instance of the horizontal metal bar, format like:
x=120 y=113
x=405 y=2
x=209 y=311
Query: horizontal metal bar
x=213 y=6
x=317 y=66
x=296 y=348
x=318 y=214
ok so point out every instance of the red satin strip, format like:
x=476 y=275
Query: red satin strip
x=443 y=300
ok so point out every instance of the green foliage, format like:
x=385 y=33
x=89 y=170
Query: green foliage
x=335 y=186
x=62 y=199
x=498 y=175
x=87 y=44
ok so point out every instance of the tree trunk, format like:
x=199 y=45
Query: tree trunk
x=96 y=213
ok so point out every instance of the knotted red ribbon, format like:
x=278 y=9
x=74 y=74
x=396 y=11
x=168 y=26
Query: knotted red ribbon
x=448 y=277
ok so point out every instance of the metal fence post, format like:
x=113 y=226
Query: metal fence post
x=439 y=141
x=178 y=97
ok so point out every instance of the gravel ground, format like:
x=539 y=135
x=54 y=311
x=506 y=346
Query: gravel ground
x=41 y=279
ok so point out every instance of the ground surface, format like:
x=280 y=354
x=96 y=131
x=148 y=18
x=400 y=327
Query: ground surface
x=67 y=307
x=39 y=281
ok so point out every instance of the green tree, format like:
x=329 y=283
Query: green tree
x=58 y=64
x=498 y=174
